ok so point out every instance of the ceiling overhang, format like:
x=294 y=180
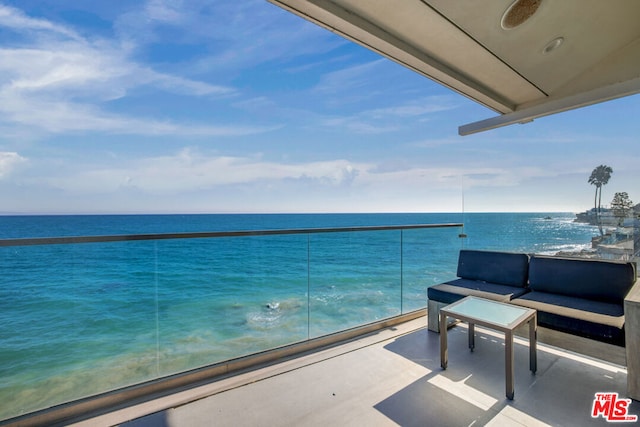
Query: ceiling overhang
x=567 y=54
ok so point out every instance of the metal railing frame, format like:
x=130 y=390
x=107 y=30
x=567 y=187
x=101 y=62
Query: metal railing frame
x=36 y=241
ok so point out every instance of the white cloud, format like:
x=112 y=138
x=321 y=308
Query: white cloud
x=190 y=171
x=165 y=11
x=213 y=182
x=8 y=162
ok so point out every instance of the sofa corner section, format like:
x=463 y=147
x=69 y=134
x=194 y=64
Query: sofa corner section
x=632 y=338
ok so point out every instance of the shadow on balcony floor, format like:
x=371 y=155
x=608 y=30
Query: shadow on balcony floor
x=472 y=389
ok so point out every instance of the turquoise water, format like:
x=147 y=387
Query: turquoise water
x=77 y=320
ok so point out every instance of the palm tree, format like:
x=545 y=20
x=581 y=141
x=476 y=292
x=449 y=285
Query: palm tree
x=599 y=177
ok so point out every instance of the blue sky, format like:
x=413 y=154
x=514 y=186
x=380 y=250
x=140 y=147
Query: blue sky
x=238 y=106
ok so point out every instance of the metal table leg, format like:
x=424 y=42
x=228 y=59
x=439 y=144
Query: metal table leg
x=444 y=355
x=509 y=373
x=533 y=339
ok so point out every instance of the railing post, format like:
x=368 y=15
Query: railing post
x=308 y=286
x=401 y=272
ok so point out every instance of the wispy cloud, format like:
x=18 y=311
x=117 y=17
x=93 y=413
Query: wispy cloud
x=415 y=108
x=60 y=84
x=62 y=114
x=61 y=117
x=244 y=34
x=350 y=78
x=17 y=20
x=393 y=118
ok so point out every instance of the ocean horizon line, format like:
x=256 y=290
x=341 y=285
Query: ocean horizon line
x=280 y=213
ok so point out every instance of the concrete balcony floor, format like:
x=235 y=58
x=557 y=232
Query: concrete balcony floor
x=393 y=377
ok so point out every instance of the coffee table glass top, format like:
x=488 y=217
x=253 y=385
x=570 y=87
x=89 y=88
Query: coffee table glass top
x=490 y=311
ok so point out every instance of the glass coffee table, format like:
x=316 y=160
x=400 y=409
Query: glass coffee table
x=494 y=315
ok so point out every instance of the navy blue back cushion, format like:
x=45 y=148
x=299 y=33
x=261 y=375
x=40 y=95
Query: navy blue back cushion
x=503 y=268
x=608 y=281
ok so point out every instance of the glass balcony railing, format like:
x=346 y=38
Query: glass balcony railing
x=82 y=316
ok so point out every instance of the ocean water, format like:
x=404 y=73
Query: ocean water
x=77 y=320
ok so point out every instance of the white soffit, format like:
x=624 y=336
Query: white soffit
x=462 y=45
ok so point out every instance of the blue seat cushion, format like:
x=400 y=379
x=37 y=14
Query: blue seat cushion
x=455 y=290
x=599 y=280
x=502 y=268
x=599 y=320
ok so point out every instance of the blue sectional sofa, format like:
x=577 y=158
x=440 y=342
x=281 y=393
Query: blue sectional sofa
x=579 y=296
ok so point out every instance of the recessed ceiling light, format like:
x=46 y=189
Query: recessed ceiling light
x=553 y=45
x=518 y=13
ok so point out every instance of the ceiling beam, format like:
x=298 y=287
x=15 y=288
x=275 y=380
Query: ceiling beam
x=553 y=105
